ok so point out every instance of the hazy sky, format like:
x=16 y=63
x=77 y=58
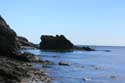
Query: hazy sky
x=93 y=22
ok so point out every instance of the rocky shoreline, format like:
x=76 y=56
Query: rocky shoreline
x=17 y=67
x=21 y=71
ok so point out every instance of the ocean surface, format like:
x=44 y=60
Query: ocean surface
x=85 y=67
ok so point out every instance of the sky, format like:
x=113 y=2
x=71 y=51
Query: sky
x=84 y=22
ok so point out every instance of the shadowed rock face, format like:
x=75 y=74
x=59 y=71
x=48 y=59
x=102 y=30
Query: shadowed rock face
x=55 y=42
x=7 y=38
x=23 y=42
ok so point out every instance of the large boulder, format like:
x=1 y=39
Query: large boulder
x=55 y=42
x=7 y=38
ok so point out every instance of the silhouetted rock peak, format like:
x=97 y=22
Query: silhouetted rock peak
x=55 y=42
x=23 y=42
x=7 y=38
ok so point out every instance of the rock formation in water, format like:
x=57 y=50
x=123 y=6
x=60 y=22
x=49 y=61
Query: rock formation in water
x=55 y=42
x=60 y=43
x=84 y=48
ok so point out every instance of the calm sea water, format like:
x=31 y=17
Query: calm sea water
x=85 y=67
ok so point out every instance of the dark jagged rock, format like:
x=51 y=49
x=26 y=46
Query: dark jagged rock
x=87 y=48
x=64 y=63
x=7 y=38
x=60 y=43
x=22 y=42
x=84 y=48
x=55 y=42
x=9 y=41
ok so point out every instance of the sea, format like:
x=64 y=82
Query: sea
x=105 y=65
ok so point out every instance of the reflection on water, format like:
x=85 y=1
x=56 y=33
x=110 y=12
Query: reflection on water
x=85 y=67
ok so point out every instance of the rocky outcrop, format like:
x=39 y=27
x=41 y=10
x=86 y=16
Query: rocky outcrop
x=18 y=70
x=84 y=48
x=16 y=67
x=12 y=71
x=63 y=63
x=9 y=41
x=60 y=43
x=22 y=42
x=7 y=38
x=55 y=42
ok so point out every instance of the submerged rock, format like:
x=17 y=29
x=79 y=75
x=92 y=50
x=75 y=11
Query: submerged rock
x=55 y=42
x=64 y=63
x=86 y=79
x=87 y=48
x=113 y=77
x=107 y=50
x=7 y=38
x=84 y=48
